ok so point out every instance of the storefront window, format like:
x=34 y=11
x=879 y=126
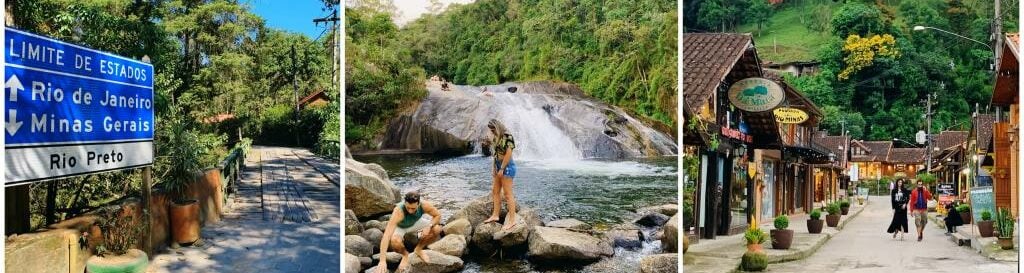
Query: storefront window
x=767 y=197
x=738 y=193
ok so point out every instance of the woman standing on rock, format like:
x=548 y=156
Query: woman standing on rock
x=899 y=196
x=502 y=171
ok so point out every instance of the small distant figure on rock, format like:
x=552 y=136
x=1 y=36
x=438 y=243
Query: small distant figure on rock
x=503 y=171
x=486 y=92
x=444 y=85
x=408 y=217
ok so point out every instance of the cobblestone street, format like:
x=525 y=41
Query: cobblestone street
x=283 y=218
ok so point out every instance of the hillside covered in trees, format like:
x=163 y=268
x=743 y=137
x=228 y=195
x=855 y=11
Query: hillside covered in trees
x=620 y=51
x=875 y=70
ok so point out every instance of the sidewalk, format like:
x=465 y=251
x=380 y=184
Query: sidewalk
x=987 y=247
x=723 y=253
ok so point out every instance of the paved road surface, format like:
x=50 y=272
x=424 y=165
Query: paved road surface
x=284 y=218
x=863 y=246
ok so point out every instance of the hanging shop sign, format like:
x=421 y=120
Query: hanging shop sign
x=787 y=115
x=756 y=94
x=736 y=134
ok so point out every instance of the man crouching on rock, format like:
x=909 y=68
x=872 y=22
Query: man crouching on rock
x=408 y=217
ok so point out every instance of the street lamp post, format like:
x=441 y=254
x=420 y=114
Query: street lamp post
x=990 y=47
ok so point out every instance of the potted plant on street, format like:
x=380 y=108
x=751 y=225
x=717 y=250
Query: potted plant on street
x=985 y=226
x=754 y=259
x=116 y=253
x=782 y=238
x=1005 y=223
x=844 y=206
x=185 y=149
x=832 y=219
x=815 y=224
x=965 y=212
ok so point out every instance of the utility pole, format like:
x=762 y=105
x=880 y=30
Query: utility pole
x=928 y=133
x=998 y=32
x=333 y=19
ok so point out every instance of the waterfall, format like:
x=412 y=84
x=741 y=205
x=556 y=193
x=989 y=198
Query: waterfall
x=533 y=128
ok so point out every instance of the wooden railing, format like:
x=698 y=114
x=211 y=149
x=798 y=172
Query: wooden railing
x=231 y=167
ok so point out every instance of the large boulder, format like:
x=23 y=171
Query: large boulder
x=365 y=262
x=556 y=245
x=479 y=210
x=352 y=264
x=375 y=224
x=671 y=237
x=569 y=224
x=458 y=227
x=530 y=216
x=374 y=270
x=352 y=225
x=439 y=263
x=515 y=236
x=453 y=244
x=483 y=237
x=391 y=258
x=357 y=245
x=372 y=235
x=652 y=219
x=368 y=192
x=625 y=238
x=660 y=263
x=666 y=209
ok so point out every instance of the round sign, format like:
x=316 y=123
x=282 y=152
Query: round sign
x=788 y=115
x=756 y=94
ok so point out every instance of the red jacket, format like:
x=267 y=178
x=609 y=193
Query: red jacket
x=913 y=199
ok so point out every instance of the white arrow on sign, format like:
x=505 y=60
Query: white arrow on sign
x=12 y=123
x=15 y=85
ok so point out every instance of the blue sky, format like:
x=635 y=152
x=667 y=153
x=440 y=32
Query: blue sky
x=295 y=15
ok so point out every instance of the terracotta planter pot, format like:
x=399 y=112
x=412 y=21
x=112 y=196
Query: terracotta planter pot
x=755 y=247
x=1006 y=243
x=184 y=221
x=966 y=216
x=781 y=238
x=986 y=228
x=134 y=261
x=832 y=220
x=815 y=226
x=844 y=210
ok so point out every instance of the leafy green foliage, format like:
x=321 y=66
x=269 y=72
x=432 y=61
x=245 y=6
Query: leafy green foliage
x=781 y=222
x=986 y=215
x=963 y=208
x=927 y=178
x=844 y=203
x=816 y=214
x=755 y=236
x=754 y=261
x=185 y=153
x=832 y=208
x=120 y=231
x=1005 y=224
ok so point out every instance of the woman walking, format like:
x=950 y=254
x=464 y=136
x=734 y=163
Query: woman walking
x=899 y=196
x=502 y=171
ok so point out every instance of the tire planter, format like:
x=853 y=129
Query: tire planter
x=1006 y=243
x=986 y=228
x=781 y=238
x=754 y=261
x=832 y=220
x=815 y=226
x=184 y=221
x=134 y=261
x=966 y=216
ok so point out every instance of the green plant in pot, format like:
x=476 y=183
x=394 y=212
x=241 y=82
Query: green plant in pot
x=1005 y=224
x=844 y=206
x=986 y=226
x=815 y=224
x=782 y=238
x=116 y=254
x=185 y=153
x=965 y=212
x=754 y=259
x=832 y=219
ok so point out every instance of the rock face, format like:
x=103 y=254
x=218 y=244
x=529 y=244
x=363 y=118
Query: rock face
x=660 y=263
x=671 y=237
x=352 y=264
x=453 y=244
x=372 y=235
x=439 y=263
x=515 y=236
x=391 y=258
x=483 y=237
x=478 y=210
x=375 y=224
x=455 y=121
x=556 y=245
x=458 y=227
x=568 y=223
x=667 y=209
x=625 y=238
x=652 y=219
x=356 y=245
x=368 y=192
x=352 y=225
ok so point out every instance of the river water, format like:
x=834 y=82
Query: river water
x=602 y=193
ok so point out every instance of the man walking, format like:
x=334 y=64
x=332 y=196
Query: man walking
x=408 y=217
x=919 y=207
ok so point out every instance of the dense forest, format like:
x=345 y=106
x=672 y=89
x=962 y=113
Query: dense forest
x=212 y=59
x=875 y=69
x=620 y=51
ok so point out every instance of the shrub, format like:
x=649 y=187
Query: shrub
x=781 y=222
x=816 y=214
x=754 y=261
x=963 y=208
x=119 y=232
x=832 y=208
x=845 y=203
x=1005 y=224
x=755 y=236
x=927 y=178
x=986 y=215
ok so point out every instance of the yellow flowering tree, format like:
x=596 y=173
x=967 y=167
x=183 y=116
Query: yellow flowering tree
x=862 y=51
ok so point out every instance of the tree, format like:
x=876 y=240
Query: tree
x=759 y=12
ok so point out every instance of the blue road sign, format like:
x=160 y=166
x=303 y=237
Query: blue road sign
x=72 y=110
